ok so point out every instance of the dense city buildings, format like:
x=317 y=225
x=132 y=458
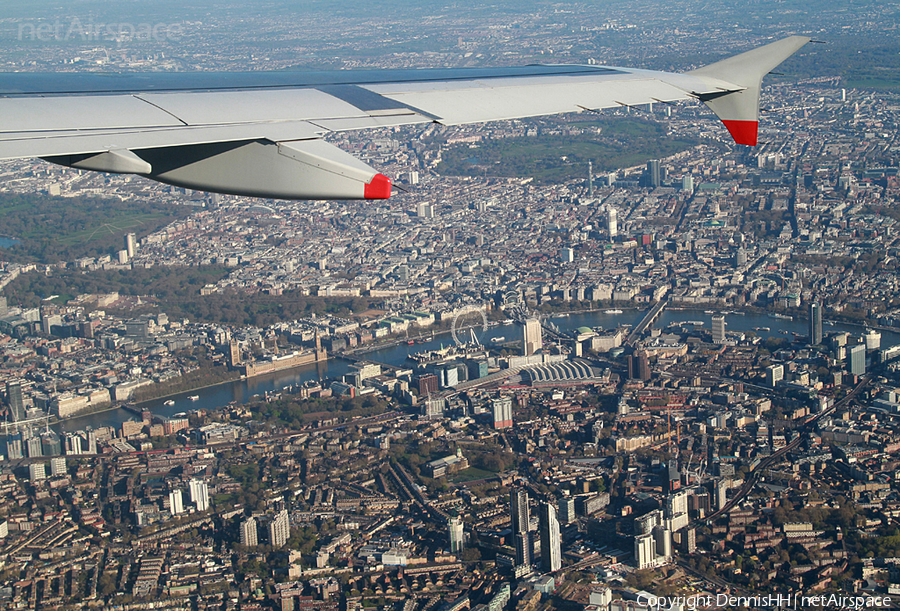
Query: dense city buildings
x=692 y=354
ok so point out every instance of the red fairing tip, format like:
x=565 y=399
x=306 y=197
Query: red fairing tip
x=379 y=188
x=743 y=132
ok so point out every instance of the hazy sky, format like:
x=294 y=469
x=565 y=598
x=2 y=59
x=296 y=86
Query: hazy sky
x=277 y=34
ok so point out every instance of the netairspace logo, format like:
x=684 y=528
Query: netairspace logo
x=87 y=31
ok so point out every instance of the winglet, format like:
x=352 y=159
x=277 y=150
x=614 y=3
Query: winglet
x=378 y=188
x=743 y=132
x=735 y=84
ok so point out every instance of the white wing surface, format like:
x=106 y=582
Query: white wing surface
x=259 y=134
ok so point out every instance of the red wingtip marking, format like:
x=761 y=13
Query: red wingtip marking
x=379 y=188
x=743 y=132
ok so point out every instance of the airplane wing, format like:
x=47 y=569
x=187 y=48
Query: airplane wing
x=260 y=134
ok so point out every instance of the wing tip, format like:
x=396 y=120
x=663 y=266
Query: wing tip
x=743 y=132
x=378 y=188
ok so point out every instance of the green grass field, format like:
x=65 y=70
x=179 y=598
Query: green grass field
x=51 y=229
x=118 y=226
x=470 y=475
x=622 y=142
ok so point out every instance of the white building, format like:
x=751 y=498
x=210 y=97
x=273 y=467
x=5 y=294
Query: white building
x=457 y=535
x=199 y=494
x=279 y=529
x=551 y=545
x=248 y=533
x=533 y=340
x=176 y=504
x=718 y=329
x=57 y=466
x=37 y=471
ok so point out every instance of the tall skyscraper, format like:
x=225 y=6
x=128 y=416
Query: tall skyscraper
x=248 y=533
x=590 y=179
x=567 y=510
x=37 y=471
x=689 y=540
x=654 y=176
x=662 y=538
x=677 y=503
x=653 y=539
x=502 y=410
x=721 y=493
x=687 y=183
x=518 y=510
x=774 y=374
x=33 y=447
x=718 y=329
x=612 y=223
x=858 y=360
x=645 y=524
x=677 y=511
x=519 y=516
x=425 y=210
x=643 y=551
x=57 y=466
x=14 y=447
x=199 y=494
x=815 y=323
x=522 y=543
x=16 y=400
x=73 y=444
x=551 y=544
x=457 y=535
x=234 y=352
x=533 y=341
x=279 y=529
x=50 y=443
x=91 y=442
x=130 y=244
x=872 y=339
x=176 y=504
x=639 y=366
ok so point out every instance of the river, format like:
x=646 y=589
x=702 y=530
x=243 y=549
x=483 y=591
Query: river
x=243 y=391
x=214 y=397
x=396 y=355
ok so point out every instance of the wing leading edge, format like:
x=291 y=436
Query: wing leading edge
x=262 y=137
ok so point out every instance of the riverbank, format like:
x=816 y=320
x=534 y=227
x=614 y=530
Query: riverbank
x=396 y=351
